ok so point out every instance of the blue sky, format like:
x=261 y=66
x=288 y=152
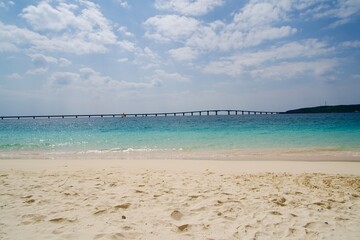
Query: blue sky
x=173 y=55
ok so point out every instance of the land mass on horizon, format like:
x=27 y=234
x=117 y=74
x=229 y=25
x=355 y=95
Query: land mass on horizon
x=328 y=109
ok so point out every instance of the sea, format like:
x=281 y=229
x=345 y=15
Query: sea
x=332 y=132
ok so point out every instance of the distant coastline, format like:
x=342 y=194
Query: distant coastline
x=327 y=109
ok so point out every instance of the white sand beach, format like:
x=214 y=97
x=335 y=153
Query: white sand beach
x=179 y=199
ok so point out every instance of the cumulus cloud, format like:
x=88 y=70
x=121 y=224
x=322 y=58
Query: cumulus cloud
x=122 y=60
x=14 y=76
x=124 y=31
x=123 y=3
x=244 y=63
x=147 y=58
x=188 y=7
x=341 y=11
x=63 y=62
x=162 y=76
x=43 y=61
x=37 y=71
x=254 y=24
x=350 y=44
x=127 y=45
x=64 y=78
x=90 y=80
x=40 y=60
x=170 y=27
x=257 y=22
x=289 y=70
x=63 y=27
x=6 y=4
x=184 y=54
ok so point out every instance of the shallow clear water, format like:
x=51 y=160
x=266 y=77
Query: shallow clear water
x=335 y=131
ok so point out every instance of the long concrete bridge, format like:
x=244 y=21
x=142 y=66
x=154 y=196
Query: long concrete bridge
x=164 y=114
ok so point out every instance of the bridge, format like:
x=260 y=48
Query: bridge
x=164 y=114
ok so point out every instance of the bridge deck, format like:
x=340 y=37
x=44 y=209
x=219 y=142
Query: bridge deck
x=165 y=114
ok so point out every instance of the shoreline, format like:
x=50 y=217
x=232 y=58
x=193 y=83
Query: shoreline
x=178 y=166
x=256 y=154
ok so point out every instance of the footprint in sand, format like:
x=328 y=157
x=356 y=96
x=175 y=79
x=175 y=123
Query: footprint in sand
x=280 y=202
x=183 y=228
x=61 y=219
x=109 y=236
x=123 y=206
x=32 y=218
x=176 y=215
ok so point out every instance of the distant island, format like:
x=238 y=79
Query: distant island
x=327 y=109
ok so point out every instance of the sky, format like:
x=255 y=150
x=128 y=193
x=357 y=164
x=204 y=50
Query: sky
x=135 y=56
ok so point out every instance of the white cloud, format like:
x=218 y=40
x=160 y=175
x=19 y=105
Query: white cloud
x=170 y=27
x=356 y=76
x=78 y=29
x=6 y=4
x=7 y=46
x=127 y=45
x=124 y=31
x=42 y=61
x=37 y=71
x=147 y=58
x=14 y=76
x=123 y=3
x=244 y=63
x=260 y=13
x=122 y=60
x=89 y=80
x=165 y=76
x=64 y=78
x=188 y=7
x=45 y=17
x=150 y=53
x=257 y=22
x=63 y=62
x=343 y=11
x=350 y=44
x=289 y=70
x=184 y=54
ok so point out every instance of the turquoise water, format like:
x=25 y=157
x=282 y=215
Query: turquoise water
x=335 y=131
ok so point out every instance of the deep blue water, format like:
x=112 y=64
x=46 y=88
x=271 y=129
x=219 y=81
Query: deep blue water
x=338 y=131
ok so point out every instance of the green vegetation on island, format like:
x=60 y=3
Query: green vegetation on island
x=328 y=109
